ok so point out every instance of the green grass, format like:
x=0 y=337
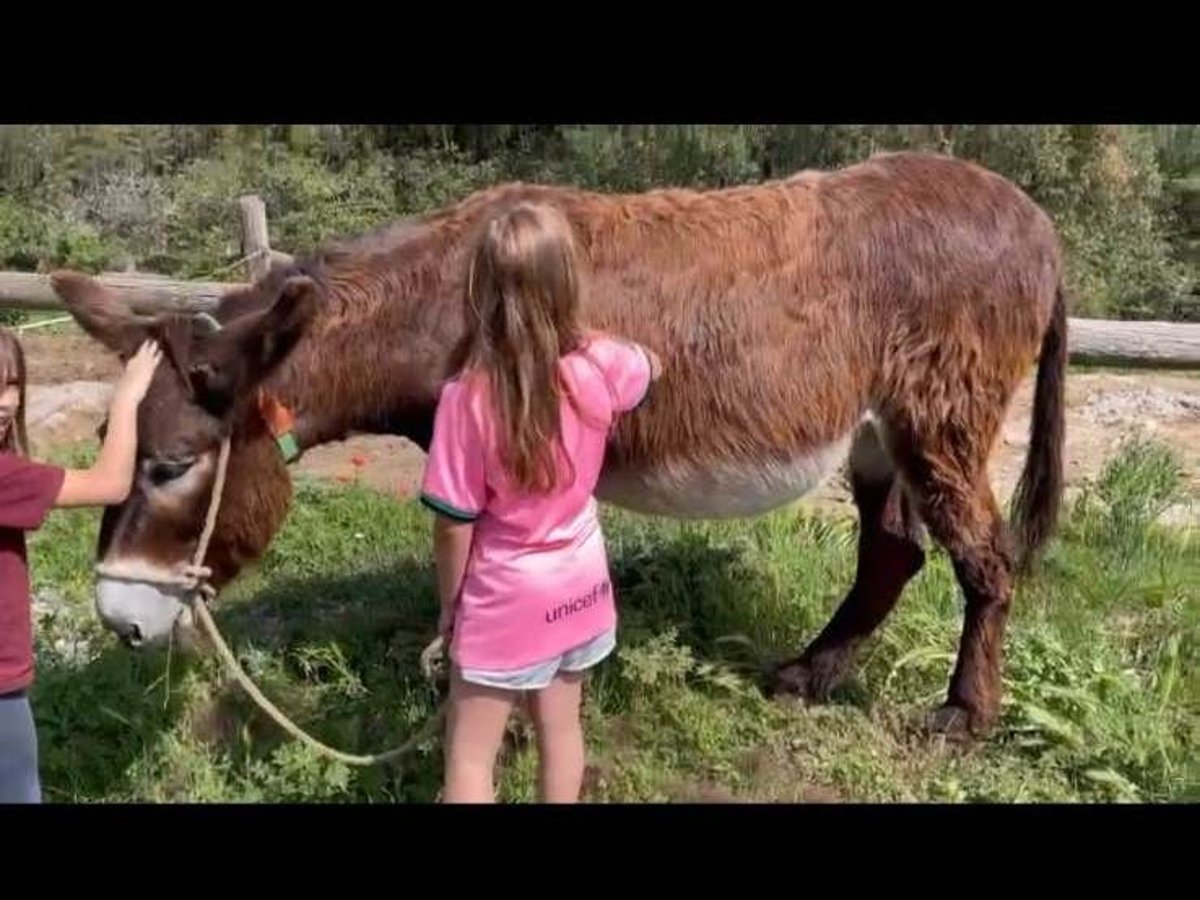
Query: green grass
x=1102 y=674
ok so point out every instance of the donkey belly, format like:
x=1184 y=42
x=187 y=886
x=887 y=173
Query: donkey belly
x=720 y=490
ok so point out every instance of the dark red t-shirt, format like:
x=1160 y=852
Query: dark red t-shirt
x=27 y=492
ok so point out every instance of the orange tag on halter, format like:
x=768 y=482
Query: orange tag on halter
x=280 y=420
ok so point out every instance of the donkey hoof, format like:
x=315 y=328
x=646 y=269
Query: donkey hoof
x=813 y=680
x=793 y=679
x=951 y=722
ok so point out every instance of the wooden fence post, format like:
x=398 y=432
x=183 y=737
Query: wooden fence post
x=256 y=242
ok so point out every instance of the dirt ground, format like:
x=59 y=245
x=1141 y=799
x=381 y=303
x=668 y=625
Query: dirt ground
x=69 y=377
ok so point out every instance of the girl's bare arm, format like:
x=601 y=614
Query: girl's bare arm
x=109 y=480
x=451 y=550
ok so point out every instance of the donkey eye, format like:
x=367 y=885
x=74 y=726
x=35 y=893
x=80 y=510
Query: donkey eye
x=166 y=470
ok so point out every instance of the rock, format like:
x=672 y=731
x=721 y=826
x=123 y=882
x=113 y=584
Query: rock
x=1142 y=405
x=65 y=413
x=46 y=406
x=1184 y=514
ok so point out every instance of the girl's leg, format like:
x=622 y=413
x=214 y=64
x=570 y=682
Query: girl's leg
x=19 y=781
x=555 y=712
x=474 y=730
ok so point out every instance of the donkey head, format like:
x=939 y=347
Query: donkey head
x=207 y=390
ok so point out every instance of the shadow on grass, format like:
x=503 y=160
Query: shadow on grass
x=725 y=602
x=340 y=655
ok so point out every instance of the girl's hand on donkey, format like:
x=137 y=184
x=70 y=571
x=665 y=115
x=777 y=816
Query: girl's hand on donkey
x=139 y=372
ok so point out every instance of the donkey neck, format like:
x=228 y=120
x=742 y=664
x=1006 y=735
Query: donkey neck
x=372 y=362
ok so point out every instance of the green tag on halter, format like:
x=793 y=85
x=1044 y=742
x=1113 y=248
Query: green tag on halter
x=287 y=446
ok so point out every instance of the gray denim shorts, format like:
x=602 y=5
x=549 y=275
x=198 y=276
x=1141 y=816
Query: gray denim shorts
x=539 y=675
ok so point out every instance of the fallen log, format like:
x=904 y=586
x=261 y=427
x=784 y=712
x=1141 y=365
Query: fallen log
x=1160 y=345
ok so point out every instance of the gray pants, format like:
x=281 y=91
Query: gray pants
x=18 y=751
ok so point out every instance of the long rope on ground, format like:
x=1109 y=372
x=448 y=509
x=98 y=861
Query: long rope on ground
x=239 y=674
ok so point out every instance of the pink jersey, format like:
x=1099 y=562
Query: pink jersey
x=537 y=581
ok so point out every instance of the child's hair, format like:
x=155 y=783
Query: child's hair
x=521 y=310
x=12 y=371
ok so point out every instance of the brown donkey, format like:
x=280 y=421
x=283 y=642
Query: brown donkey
x=883 y=313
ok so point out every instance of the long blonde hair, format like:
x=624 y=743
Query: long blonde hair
x=521 y=310
x=12 y=371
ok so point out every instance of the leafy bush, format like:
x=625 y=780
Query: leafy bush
x=308 y=202
x=24 y=235
x=34 y=238
x=131 y=206
x=203 y=226
x=430 y=178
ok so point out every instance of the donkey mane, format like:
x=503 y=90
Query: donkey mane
x=348 y=262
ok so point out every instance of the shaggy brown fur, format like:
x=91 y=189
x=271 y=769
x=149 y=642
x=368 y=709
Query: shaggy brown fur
x=918 y=289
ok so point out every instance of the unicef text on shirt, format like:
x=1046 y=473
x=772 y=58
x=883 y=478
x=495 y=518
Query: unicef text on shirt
x=591 y=598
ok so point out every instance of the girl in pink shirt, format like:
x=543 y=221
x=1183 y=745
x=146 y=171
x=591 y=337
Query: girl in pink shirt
x=518 y=443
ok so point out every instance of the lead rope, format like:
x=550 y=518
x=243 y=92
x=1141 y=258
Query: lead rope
x=198 y=588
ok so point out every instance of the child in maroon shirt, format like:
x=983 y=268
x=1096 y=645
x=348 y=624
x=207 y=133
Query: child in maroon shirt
x=28 y=490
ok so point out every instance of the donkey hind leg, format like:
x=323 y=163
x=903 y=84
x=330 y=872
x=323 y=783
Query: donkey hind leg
x=967 y=522
x=890 y=553
x=949 y=477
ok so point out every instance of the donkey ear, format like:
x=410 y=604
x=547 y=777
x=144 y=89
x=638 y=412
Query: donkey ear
x=265 y=340
x=100 y=313
x=248 y=349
